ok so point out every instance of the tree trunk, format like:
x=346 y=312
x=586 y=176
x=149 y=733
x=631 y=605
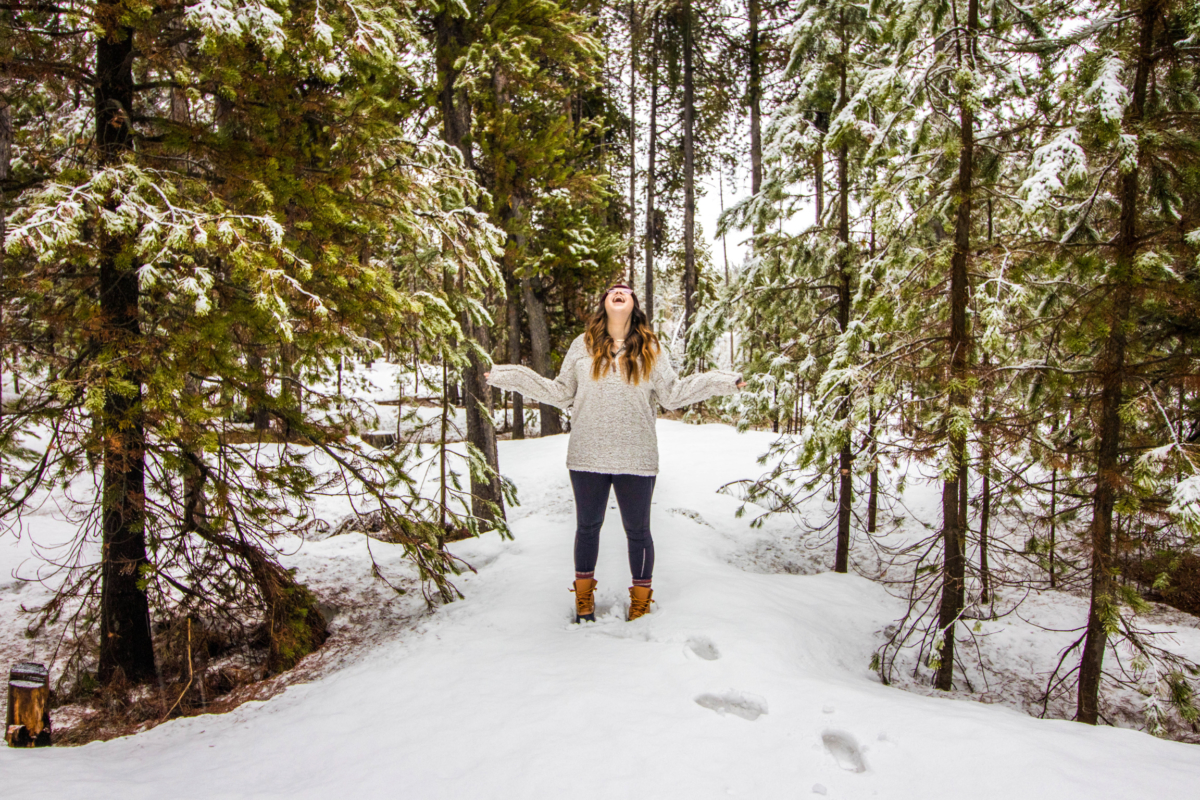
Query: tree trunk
x=845 y=456
x=689 y=172
x=650 y=176
x=632 y=140
x=1110 y=370
x=514 y=357
x=289 y=394
x=487 y=496
x=953 y=520
x=872 y=422
x=126 y=647
x=822 y=125
x=964 y=517
x=539 y=349
x=514 y=249
x=756 y=169
x=180 y=107
x=725 y=256
x=452 y=101
x=1053 y=520
x=985 y=516
x=442 y=429
x=873 y=487
x=487 y=499
x=194 y=498
x=985 y=505
x=953 y=565
x=6 y=133
x=258 y=409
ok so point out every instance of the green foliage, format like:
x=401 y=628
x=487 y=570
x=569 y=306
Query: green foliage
x=530 y=74
x=282 y=214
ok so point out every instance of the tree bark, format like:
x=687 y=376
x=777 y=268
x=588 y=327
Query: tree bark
x=953 y=520
x=514 y=357
x=452 y=40
x=632 y=140
x=872 y=422
x=539 y=348
x=126 y=646
x=1053 y=520
x=443 y=508
x=873 y=486
x=487 y=496
x=487 y=499
x=756 y=169
x=258 y=409
x=689 y=171
x=289 y=393
x=1110 y=370
x=194 y=496
x=6 y=133
x=648 y=300
x=845 y=455
x=822 y=124
x=964 y=517
x=985 y=516
x=985 y=505
x=725 y=256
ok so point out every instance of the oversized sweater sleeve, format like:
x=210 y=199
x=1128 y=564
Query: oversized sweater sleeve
x=675 y=392
x=558 y=392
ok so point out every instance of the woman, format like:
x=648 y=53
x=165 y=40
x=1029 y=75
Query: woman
x=612 y=376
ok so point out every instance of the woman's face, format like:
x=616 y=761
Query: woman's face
x=618 y=302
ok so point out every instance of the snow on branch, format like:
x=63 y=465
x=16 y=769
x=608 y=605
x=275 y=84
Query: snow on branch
x=1054 y=164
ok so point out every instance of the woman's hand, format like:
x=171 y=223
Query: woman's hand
x=487 y=375
x=741 y=384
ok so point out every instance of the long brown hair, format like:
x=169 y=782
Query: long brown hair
x=641 y=345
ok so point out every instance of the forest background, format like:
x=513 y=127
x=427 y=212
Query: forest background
x=966 y=235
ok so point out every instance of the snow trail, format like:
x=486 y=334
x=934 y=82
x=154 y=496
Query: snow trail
x=500 y=696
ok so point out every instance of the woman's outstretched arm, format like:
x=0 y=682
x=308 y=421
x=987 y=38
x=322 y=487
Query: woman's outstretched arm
x=559 y=392
x=675 y=392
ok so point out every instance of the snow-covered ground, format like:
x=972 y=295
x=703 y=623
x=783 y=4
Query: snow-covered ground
x=378 y=387
x=748 y=679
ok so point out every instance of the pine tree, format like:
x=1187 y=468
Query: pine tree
x=954 y=73
x=239 y=185
x=530 y=114
x=1108 y=185
x=694 y=85
x=808 y=283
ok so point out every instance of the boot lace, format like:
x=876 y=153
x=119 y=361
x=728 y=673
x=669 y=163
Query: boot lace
x=585 y=601
x=638 y=607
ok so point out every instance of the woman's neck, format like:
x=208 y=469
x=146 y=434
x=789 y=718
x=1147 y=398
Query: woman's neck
x=618 y=329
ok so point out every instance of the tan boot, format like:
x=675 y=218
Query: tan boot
x=639 y=601
x=585 y=600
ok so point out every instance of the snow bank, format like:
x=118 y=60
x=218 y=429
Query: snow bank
x=744 y=681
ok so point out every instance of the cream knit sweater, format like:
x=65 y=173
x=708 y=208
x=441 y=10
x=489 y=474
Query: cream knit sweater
x=612 y=422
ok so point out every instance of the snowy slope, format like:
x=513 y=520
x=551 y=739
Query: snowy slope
x=743 y=683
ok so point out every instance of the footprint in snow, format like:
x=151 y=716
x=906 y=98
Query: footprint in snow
x=609 y=608
x=845 y=750
x=694 y=516
x=740 y=704
x=703 y=647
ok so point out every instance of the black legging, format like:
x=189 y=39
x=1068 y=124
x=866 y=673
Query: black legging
x=633 y=498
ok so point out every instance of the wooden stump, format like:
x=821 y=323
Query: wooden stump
x=28 y=723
